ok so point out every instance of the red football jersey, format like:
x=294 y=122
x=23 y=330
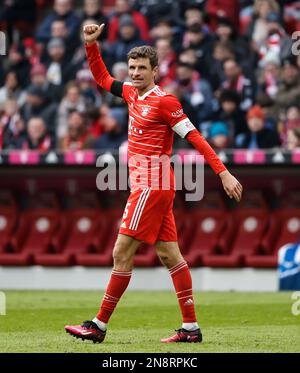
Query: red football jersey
x=153 y=118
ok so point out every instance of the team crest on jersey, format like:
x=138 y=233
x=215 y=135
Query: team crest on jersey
x=145 y=110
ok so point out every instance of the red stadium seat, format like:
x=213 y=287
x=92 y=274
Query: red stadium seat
x=102 y=253
x=205 y=233
x=34 y=234
x=244 y=230
x=201 y=227
x=78 y=233
x=284 y=228
x=8 y=218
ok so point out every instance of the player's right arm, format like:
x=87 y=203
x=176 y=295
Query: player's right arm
x=96 y=64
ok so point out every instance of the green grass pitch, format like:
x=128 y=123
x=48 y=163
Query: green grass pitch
x=231 y=322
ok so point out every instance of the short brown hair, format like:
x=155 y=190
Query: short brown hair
x=144 y=51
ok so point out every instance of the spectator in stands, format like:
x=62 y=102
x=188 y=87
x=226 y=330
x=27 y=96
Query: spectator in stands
x=37 y=137
x=293 y=139
x=119 y=72
x=88 y=88
x=161 y=29
x=18 y=62
x=18 y=15
x=78 y=60
x=277 y=43
x=197 y=38
x=269 y=76
x=226 y=33
x=59 y=70
x=11 y=89
x=258 y=28
x=193 y=15
x=123 y=7
x=236 y=80
x=32 y=51
x=219 y=136
x=258 y=135
x=113 y=131
x=222 y=51
x=12 y=125
x=92 y=9
x=195 y=90
x=164 y=30
x=217 y=9
x=289 y=87
x=230 y=112
x=38 y=78
x=166 y=62
x=189 y=55
x=128 y=39
x=37 y=105
x=93 y=121
x=157 y=10
x=266 y=103
x=59 y=30
x=77 y=137
x=62 y=10
x=71 y=101
x=291 y=122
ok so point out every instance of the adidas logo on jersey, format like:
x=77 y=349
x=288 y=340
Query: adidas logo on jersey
x=189 y=302
x=123 y=225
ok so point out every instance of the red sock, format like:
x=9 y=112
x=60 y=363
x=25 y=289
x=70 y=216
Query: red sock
x=115 y=289
x=182 y=281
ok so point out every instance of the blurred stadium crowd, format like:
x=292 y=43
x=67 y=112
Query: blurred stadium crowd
x=229 y=62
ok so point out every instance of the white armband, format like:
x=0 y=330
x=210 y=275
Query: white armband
x=183 y=127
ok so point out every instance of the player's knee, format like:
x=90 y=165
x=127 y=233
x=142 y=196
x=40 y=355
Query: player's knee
x=122 y=257
x=168 y=255
x=163 y=254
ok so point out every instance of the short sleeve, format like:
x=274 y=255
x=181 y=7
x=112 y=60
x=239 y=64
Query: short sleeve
x=173 y=115
x=127 y=88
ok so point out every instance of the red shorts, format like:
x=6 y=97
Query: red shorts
x=148 y=216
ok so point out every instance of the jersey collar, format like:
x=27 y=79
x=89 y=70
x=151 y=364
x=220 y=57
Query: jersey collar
x=147 y=93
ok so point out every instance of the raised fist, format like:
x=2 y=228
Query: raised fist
x=92 y=32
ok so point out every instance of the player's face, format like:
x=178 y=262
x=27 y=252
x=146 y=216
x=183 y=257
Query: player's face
x=141 y=73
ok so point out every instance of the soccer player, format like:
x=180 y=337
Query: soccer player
x=154 y=116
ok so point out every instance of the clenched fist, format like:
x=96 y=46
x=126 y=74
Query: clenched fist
x=92 y=32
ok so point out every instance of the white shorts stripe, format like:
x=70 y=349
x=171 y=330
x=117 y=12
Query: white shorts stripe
x=136 y=208
x=140 y=209
x=138 y=218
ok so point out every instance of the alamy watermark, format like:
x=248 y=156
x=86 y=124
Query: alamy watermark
x=2 y=303
x=2 y=43
x=296 y=305
x=154 y=172
x=296 y=43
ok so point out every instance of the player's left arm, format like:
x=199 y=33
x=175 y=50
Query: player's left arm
x=172 y=113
